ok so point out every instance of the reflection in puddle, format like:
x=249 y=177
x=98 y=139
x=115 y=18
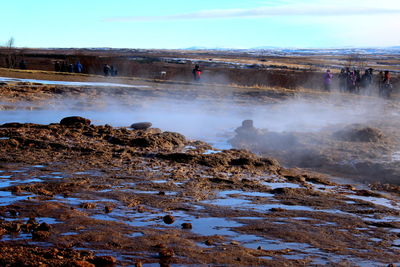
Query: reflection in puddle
x=376 y=200
x=8 y=183
x=280 y=185
x=7 y=198
x=69 y=233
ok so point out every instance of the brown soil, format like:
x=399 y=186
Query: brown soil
x=78 y=194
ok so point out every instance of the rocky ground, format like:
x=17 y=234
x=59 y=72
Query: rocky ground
x=366 y=152
x=78 y=194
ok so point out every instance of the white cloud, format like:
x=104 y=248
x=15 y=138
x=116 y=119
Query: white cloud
x=285 y=8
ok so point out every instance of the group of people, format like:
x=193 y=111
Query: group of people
x=352 y=81
x=65 y=67
x=109 y=70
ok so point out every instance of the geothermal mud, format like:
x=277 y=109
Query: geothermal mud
x=77 y=193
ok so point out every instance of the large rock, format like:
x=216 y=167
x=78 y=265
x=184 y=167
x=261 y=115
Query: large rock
x=141 y=125
x=359 y=133
x=74 y=120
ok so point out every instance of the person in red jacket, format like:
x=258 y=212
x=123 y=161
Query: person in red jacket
x=196 y=73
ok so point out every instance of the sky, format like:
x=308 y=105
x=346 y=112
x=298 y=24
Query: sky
x=177 y=24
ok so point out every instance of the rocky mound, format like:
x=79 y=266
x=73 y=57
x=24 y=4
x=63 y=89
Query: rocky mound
x=359 y=133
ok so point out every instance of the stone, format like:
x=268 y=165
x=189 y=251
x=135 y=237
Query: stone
x=88 y=205
x=83 y=264
x=359 y=133
x=44 y=227
x=104 y=261
x=186 y=226
x=74 y=120
x=141 y=125
x=168 y=219
x=108 y=209
x=40 y=235
x=166 y=253
x=209 y=242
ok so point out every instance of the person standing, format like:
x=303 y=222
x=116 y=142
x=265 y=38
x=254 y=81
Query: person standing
x=387 y=86
x=106 y=69
x=78 y=67
x=328 y=80
x=57 y=66
x=196 y=72
x=342 y=81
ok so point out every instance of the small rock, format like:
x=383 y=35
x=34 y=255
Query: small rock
x=16 y=189
x=40 y=235
x=16 y=227
x=161 y=193
x=166 y=253
x=44 y=227
x=108 y=209
x=186 y=226
x=104 y=261
x=141 y=125
x=88 y=205
x=160 y=246
x=83 y=264
x=277 y=209
x=13 y=213
x=74 y=120
x=259 y=248
x=2 y=231
x=138 y=264
x=168 y=219
x=209 y=242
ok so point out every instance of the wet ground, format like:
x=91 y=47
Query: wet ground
x=82 y=192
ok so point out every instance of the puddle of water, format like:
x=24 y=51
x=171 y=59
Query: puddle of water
x=38 y=166
x=144 y=192
x=8 y=183
x=377 y=201
x=138 y=234
x=226 y=202
x=90 y=172
x=257 y=194
x=294 y=256
x=200 y=244
x=225 y=194
x=159 y=181
x=7 y=198
x=280 y=185
x=266 y=258
x=301 y=218
x=69 y=233
x=254 y=242
x=209 y=152
x=213 y=226
x=396 y=156
x=15 y=237
x=4 y=138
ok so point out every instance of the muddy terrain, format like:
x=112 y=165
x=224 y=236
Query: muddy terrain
x=79 y=192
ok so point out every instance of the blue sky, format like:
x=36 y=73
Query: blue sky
x=206 y=23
